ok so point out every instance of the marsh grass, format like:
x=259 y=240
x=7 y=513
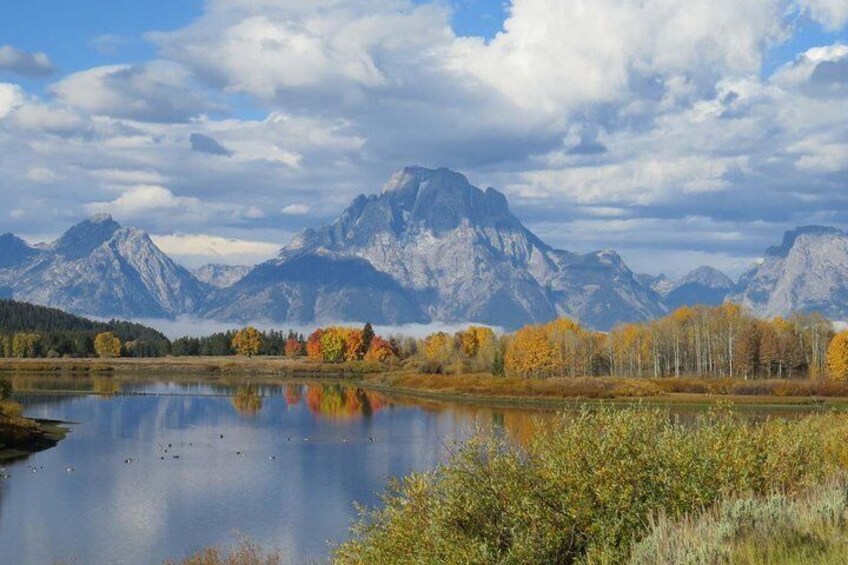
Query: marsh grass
x=809 y=528
x=587 y=485
x=244 y=552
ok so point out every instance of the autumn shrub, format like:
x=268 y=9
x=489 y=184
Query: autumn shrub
x=794 y=388
x=756 y=388
x=431 y=367
x=831 y=388
x=694 y=385
x=636 y=388
x=809 y=528
x=585 y=487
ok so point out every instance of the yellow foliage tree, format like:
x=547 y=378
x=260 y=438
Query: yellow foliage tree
x=530 y=353
x=247 y=341
x=437 y=346
x=106 y=345
x=334 y=344
x=837 y=357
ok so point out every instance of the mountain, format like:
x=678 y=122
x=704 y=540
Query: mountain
x=221 y=276
x=99 y=268
x=704 y=285
x=14 y=252
x=316 y=288
x=437 y=248
x=808 y=272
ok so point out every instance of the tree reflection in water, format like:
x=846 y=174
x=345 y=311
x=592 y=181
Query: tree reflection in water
x=247 y=400
x=105 y=386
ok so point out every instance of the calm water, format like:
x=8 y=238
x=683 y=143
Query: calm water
x=305 y=454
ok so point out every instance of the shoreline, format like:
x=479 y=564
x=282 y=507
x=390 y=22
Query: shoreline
x=481 y=389
x=50 y=433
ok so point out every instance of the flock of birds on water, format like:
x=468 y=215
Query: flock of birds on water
x=163 y=448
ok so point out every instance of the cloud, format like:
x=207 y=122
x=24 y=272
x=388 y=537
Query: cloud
x=11 y=97
x=158 y=91
x=198 y=327
x=142 y=200
x=45 y=118
x=41 y=175
x=295 y=210
x=208 y=144
x=832 y=14
x=108 y=45
x=157 y=205
x=200 y=249
x=24 y=63
x=627 y=118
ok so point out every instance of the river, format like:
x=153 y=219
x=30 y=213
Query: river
x=154 y=469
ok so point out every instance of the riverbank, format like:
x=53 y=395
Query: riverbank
x=210 y=366
x=472 y=388
x=20 y=437
x=564 y=392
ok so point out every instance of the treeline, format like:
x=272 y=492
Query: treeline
x=28 y=331
x=223 y=344
x=722 y=341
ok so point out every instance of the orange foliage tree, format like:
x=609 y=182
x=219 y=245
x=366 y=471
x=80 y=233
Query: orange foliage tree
x=313 y=346
x=293 y=347
x=381 y=350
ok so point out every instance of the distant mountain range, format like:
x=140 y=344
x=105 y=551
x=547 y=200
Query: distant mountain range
x=428 y=247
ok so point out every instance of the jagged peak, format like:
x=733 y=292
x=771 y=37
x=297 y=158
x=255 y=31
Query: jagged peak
x=101 y=218
x=83 y=238
x=791 y=236
x=412 y=177
x=709 y=276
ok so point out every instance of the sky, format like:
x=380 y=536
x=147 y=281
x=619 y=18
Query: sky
x=678 y=133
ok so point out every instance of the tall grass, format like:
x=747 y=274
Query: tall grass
x=812 y=528
x=587 y=486
x=245 y=552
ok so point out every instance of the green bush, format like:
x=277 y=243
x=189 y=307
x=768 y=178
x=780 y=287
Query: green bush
x=586 y=487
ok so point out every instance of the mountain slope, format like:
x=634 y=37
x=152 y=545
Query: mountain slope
x=221 y=276
x=316 y=288
x=808 y=272
x=15 y=252
x=99 y=268
x=459 y=253
x=704 y=285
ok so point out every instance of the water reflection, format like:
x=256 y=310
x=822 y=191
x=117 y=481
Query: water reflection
x=162 y=468
x=247 y=400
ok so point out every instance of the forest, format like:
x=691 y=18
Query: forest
x=27 y=330
x=720 y=341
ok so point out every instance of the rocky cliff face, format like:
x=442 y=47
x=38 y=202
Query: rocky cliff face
x=808 y=272
x=221 y=276
x=99 y=268
x=460 y=254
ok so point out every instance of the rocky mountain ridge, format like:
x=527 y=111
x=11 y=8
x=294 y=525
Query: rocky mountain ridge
x=429 y=247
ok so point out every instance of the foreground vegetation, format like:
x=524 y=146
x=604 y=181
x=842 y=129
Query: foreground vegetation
x=587 y=487
x=245 y=552
x=808 y=528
